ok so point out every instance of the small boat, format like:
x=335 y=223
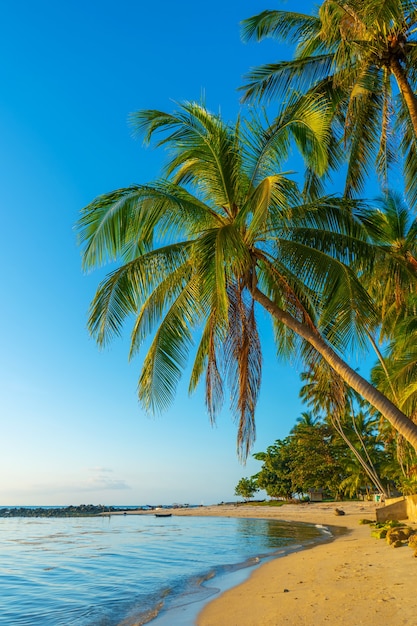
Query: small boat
x=163 y=514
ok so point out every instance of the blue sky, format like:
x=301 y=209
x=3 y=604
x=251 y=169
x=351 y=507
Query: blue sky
x=72 y=429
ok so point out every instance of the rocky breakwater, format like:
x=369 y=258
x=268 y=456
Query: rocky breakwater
x=82 y=510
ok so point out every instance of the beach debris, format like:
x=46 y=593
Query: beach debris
x=286 y=591
x=339 y=512
x=366 y=521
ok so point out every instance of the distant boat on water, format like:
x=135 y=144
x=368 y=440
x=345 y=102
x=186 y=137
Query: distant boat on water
x=163 y=514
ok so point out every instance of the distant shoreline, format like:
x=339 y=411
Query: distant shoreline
x=81 y=510
x=86 y=510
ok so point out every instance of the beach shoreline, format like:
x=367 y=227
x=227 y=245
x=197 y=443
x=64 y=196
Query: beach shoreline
x=354 y=580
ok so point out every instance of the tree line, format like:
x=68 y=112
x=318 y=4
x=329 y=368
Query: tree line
x=315 y=457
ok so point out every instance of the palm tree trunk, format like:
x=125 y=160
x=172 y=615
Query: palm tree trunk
x=359 y=436
x=383 y=365
x=406 y=91
x=368 y=469
x=403 y=424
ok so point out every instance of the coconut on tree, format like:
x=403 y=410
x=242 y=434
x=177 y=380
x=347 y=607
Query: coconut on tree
x=361 y=56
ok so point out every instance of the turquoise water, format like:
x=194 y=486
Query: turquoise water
x=123 y=570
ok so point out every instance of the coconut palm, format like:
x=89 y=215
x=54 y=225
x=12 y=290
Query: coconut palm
x=393 y=285
x=220 y=233
x=326 y=393
x=396 y=374
x=361 y=55
x=393 y=282
x=356 y=480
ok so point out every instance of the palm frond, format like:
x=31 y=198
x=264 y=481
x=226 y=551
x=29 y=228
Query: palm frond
x=280 y=25
x=103 y=224
x=243 y=364
x=167 y=356
x=178 y=287
x=121 y=292
x=362 y=139
x=125 y=222
x=277 y=80
x=304 y=120
x=346 y=309
x=207 y=360
x=201 y=147
x=409 y=151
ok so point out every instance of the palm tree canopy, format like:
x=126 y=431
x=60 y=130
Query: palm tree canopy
x=397 y=379
x=361 y=55
x=191 y=246
x=393 y=230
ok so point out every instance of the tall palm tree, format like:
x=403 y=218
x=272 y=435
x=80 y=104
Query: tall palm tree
x=392 y=285
x=222 y=232
x=361 y=55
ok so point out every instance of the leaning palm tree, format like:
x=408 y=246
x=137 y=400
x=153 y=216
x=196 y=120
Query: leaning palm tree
x=361 y=55
x=222 y=232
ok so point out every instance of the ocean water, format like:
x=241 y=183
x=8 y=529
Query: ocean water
x=124 y=570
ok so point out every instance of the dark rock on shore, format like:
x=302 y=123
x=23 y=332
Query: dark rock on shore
x=82 y=510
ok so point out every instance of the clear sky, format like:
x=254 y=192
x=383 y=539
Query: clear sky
x=72 y=430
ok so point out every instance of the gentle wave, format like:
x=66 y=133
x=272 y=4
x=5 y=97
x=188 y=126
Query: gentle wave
x=123 y=570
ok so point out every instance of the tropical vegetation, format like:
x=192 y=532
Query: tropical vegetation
x=314 y=457
x=225 y=233
x=360 y=58
x=246 y=488
x=225 y=230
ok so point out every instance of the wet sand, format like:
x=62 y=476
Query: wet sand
x=355 y=580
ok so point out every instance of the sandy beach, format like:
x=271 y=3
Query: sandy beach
x=355 y=580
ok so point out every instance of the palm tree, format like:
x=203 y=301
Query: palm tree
x=392 y=284
x=326 y=392
x=355 y=480
x=222 y=232
x=361 y=55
